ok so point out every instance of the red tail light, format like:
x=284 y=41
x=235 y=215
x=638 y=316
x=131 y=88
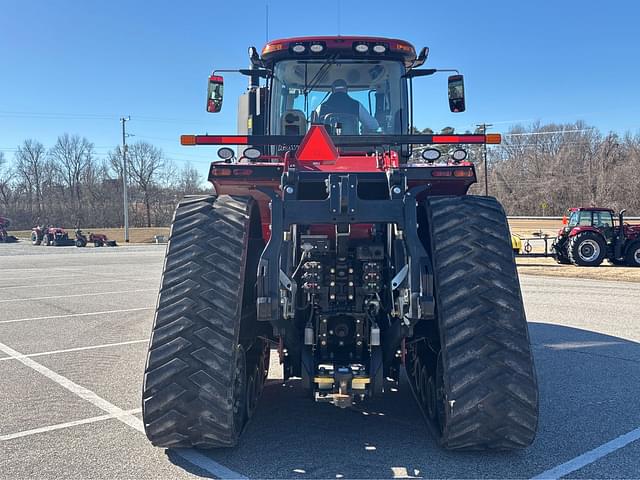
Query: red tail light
x=441 y=173
x=463 y=172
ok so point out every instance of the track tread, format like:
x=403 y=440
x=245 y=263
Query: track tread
x=488 y=367
x=189 y=377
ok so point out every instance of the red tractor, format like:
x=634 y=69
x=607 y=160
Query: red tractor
x=54 y=236
x=4 y=234
x=98 y=239
x=328 y=239
x=591 y=235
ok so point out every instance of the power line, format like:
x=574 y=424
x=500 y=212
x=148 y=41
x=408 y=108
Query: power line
x=548 y=133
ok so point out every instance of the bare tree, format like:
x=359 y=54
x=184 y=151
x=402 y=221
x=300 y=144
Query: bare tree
x=145 y=164
x=190 y=180
x=72 y=158
x=32 y=169
x=6 y=177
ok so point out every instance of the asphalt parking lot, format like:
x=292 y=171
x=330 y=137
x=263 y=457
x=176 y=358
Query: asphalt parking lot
x=74 y=325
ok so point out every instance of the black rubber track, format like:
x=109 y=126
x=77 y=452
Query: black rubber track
x=188 y=392
x=489 y=380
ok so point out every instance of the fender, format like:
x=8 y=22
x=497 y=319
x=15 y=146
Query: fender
x=632 y=232
x=583 y=228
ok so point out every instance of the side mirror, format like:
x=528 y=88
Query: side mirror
x=456 y=93
x=215 y=93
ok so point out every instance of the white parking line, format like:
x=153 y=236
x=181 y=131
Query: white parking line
x=77 y=349
x=192 y=456
x=207 y=464
x=70 y=315
x=84 y=421
x=78 y=295
x=590 y=456
x=80 y=391
x=87 y=282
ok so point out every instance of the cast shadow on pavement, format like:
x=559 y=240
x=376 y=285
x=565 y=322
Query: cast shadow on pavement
x=588 y=384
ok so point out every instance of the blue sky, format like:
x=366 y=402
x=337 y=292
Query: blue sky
x=77 y=66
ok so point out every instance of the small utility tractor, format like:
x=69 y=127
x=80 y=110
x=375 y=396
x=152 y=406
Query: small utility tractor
x=327 y=239
x=98 y=239
x=591 y=235
x=4 y=234
x=51 y=236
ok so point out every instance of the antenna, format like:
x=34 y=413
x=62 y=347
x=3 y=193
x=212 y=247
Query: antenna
x=266 y=19
x=338 y=8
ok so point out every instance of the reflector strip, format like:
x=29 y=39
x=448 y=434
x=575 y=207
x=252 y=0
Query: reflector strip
x=458 y=138
x=222 y=140
x=341 y=140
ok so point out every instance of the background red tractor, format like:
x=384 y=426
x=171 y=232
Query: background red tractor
x=592 y=234
x=4 y=234
x=54 y=236
x=98 y=239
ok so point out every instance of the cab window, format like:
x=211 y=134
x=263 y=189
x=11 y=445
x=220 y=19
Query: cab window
x=584 y=218
x=602 y=219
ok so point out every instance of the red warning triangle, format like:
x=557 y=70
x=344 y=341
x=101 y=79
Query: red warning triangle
x=317 y=146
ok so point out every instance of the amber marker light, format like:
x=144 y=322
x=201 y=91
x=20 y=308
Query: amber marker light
x=493 y=138
x=187 y=140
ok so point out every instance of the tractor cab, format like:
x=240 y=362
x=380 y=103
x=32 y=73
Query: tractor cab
x=352 y=86
x=598 y=218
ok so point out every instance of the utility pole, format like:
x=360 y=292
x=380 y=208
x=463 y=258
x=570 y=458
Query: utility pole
x=484 y=127
x=123 y=120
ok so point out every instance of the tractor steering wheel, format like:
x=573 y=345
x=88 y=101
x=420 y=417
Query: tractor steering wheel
x=349 y=124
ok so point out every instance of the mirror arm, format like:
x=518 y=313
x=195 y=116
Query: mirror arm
x=260 y=72
x=427 y=72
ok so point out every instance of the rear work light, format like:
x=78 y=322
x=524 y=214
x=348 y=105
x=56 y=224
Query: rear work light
x=379 y=48
x=459 y=154
x=361 y=47
x=316 y=47
x=298 y=48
